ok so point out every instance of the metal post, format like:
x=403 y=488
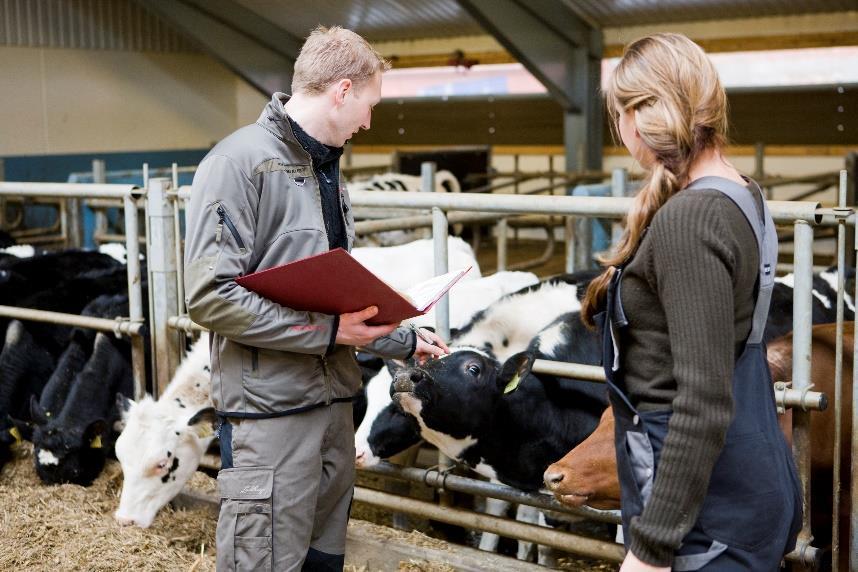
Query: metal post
x=853 y=520
x=177 y=231
x=135 y=293
x=583 y=243
x=442 y=307
x=569 y=236
x=502 y=231
x=801 y=351
x=515 y=188
x=161 y=246
x=759 y=166
x=427 y=182
x=838 y=373
x=619 y=188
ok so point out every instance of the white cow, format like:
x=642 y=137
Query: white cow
x=405 y=265
x=444 y=181
x=163 y=441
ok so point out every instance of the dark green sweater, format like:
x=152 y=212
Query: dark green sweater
x=689 y=297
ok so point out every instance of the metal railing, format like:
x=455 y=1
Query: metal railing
x=803 y=216
x=130 y=195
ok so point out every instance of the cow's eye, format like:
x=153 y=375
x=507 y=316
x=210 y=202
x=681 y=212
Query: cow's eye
x=474 y=370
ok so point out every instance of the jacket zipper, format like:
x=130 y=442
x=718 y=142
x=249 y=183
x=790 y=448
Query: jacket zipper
x=223 y=219
x=254 y=360
x=327 y=377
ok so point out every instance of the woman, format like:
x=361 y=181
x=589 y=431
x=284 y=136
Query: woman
x=707 y=480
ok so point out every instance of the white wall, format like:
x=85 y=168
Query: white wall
x=76 y=101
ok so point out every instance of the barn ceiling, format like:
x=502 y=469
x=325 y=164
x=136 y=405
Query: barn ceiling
x=385 y=20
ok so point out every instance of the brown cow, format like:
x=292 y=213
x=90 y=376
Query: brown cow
x=588 y=473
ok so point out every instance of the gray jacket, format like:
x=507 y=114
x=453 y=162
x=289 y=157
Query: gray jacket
x=255 y=204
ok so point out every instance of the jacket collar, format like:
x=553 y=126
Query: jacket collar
x=274 y=119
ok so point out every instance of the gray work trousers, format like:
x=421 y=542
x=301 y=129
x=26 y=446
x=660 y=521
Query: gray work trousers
x=286 y=490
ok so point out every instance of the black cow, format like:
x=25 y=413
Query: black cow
x=823 y=302
x=69 y=448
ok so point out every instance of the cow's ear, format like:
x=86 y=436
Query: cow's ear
x=94 y=432
x=21 y=430
x=513 y=371
x=37 y=412
x=204 y=422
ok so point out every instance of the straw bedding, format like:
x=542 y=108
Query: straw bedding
x=69 y=527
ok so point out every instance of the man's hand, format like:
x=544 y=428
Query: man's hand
x=429 y=345
x=354 y=332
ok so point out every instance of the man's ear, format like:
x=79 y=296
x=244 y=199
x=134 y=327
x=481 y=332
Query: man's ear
x=342 y=88
x=514 y=370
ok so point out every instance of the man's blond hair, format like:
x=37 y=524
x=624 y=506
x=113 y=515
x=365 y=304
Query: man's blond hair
x=332 y=54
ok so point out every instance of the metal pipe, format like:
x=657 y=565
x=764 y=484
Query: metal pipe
x=447 y=481
x=164 y=341
x=68 y=190
x=801 y=351
x=528 y=532
x=600 y=207
x=180 y=261
x=502 y=230
x=185 y=324
x=569 y=237
x=838 y=372
x=117 y=326
x=418 y=221
x=135 y=292
x=853 y=520
x=571 y=370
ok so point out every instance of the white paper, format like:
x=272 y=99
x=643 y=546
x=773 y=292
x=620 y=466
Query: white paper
x=423 y=294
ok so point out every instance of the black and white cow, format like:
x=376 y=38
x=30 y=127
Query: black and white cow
x=163 y=441
x=500 y=419
x=823 y=302
x=505 y=327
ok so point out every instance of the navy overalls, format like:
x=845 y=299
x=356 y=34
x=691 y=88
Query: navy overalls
x=752 y=511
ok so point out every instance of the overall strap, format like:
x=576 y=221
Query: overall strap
x=767 y=241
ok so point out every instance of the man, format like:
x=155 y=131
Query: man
x=283 y=379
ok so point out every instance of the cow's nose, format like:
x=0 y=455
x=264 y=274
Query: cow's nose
x=552 y=478
x=417 y=376
x=124 y=520
x=359 y=458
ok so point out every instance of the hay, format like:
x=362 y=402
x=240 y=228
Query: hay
x=68 y=527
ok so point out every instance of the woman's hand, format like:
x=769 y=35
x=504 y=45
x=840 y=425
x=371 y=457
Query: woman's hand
x=633 y=564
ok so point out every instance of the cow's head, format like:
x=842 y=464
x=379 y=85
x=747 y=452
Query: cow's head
x=587 y=475
x=456 y=395
x=159 y=449
x=67 y=452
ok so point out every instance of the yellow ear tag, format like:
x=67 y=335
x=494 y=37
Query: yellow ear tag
x=513 y=383
x=16 y=435
x=96 y=442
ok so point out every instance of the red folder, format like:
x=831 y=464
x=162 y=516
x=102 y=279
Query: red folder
x=333 y=282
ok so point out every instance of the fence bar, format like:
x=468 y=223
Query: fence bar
x=801 y=351
x=118 y=326
x=838 y=372
x=502 y=230
x=165 y=342
x=502 y=526
x=853 y=519
x=180 y=262
x=185 y=324
x=135 y=292
x=438 y=480
x=68 y=190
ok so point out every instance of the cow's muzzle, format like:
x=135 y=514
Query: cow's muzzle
x=406 y=380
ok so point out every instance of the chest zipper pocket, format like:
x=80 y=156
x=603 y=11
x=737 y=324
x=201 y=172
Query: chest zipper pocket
x=223 y=219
